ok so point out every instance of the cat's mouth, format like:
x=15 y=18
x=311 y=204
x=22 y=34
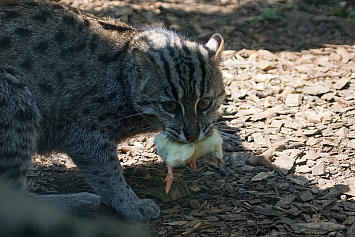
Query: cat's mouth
x=180 y=139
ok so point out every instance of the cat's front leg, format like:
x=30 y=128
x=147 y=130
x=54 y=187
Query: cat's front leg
x=96 y=157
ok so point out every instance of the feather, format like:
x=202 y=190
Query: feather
x=178 y=154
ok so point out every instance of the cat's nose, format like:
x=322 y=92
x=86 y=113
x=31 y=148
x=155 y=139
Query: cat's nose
x=191 y=137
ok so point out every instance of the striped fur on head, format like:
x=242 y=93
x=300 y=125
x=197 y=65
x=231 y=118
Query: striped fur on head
x=178 y=82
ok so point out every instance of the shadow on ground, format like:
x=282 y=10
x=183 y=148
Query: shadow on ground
x=239 y=22
x=248 y=196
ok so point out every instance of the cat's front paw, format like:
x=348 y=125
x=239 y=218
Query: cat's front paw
x=138 y=210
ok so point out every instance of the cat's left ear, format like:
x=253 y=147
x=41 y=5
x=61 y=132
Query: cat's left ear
x=142 y=66
x=215 y=47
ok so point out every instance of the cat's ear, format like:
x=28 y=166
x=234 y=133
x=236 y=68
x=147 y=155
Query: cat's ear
x=142 y=66
x=215 y=46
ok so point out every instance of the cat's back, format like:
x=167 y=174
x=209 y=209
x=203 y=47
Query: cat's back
x=42 y=25
x=60 y=25
x=64 y=56
x=48 y=40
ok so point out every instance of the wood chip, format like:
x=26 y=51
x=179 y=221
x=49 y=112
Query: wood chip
x=303 y=169
x=277 y=123
x=285 y=201
x=316 y=228
x=194 y=204
x=260 y=140
x=342 y=132
x=283 y=163
x=325 y=62
x=306 y=196
x=177 y=223
x=262 y=175
x=315 y=90
x=232 y=217
x=341 y=83
x=310 y=132
x=301 y=181
x=193 y=229
x=293 y=100
x=263 y=115
x=312 y=141
x=345 y=55
x=236 y=92
x=266 y=212
x=265 y=65
x=349 y=221
x=304 y=68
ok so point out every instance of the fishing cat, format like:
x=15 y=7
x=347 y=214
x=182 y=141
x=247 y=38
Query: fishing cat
x=77 y=83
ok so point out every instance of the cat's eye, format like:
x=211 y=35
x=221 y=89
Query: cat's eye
x=204 y=104
x=170 y=106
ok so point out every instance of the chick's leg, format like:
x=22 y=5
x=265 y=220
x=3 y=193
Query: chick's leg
x=192 y=164
x=220 y=161
x=169 y=178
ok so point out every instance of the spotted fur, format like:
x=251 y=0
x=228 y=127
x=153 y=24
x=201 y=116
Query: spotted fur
x=80 y=84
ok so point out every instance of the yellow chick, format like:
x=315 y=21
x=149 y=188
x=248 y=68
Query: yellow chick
x=178 y=154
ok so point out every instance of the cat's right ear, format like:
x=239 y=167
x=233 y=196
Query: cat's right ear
x=215 y=46
x=142 y=66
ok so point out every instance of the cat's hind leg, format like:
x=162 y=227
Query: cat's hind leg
x=19 y=132
x=19 y=129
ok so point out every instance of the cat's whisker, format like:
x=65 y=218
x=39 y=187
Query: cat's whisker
x=150 y=162
x=146 y=129
x=219 y=122
x=228 y=137
x=135 y=170
x=227 y=134
x=132 y=115
x=227 y=129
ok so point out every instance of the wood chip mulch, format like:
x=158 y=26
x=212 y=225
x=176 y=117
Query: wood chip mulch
x=288 y=126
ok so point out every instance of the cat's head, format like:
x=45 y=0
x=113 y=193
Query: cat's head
x=178 y=83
